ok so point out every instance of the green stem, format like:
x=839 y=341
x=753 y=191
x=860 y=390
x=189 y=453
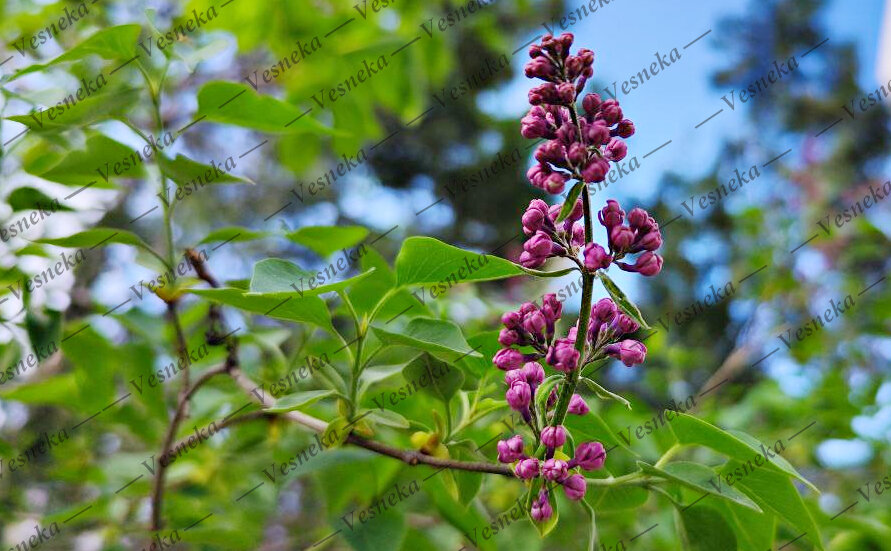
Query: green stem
x=670 y=453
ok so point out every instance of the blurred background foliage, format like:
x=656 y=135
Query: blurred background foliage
x=838 y=378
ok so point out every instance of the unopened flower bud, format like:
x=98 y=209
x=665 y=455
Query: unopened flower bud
x=508 y=337
x=650 y=241
x=611 y=215
x=514 y=375
x=511 y=449
x=519 y=395
x=527 y=260
x=563 y=356
x=577 y=405
x=533 y=373
x=511 y=320
x=589 y=456
x=605 y=310
x=578 y=235
x=534 y=323
x=610 y=112
x=555 y=183
x=527 y=468
x=596 y=257
x=629 y=352
x=575 y=487
x=566 y=93
x=507 y=359
x=554 y=469
x=551 y=307
x=591 y=103
x=597 y=133
x=553 y=437
x=625 y=325
x=625 y=129
x=637 y=218
x=596 y=170
x=616 y=150
x=647 y=264
x=621 y=238
x=577 y=154
x=541 y=508
x=539 y=244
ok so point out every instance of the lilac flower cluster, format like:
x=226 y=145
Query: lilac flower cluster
x=529 y=337
x=579 y=145
x=589 y=456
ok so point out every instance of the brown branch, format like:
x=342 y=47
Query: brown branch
x=411 y=457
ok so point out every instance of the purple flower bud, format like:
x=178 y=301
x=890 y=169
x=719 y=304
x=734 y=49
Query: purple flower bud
x=534 y=322
x=545 y=93
x=621 y=238
x=537 y=173
x=596 y=133
x=591 y=104
x=553 y=437
x=511 y=320
x=566 y=93
x=578 y=235
x=611 y=215
x=533 y=220
x=578 y=211
x=507 y=359
x=637 y=218
x=540 y=67
x=647 y=264
x=527 y=468
x=575 y=487
x=625 y=129
x=555 y=183
x=539 y=244
x=563 y=356
x=514 y=375
x=511 y=449
x=577 y=405
x=527 y=308
x=596 y=170
x=552 y=399
x=630 y=352
x=616 y=150
x=508 y=337
x=551 y=151
x=529 y=261
x=625 y=325
x=533 y=373
x=577 y=154
x=596 y=257
x=541 y=508
x=650 y=241
x=554 y=469
x=589 y=456
x=551 y=307
x=610 y=112
x=519 y=395
x=604 y=310
x=534 y=124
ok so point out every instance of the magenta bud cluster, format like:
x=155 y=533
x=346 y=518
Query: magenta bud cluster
x=589 y=456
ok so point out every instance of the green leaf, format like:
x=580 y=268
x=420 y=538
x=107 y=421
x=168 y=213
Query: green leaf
x=622 y=301
x=487 y=345
x=433 y=377
x=96 y=236
x=99 y=107
x=384 y=533
x=544 y=392
x=278 y=278
x=545 y=528
x=304 y=310
x=298 y=400
x=78 y=167
x=389 y=418
x=468 y=520
x=29 y=198
x=754 y=531
x=217 y=102
x=701 y=478
x=603 y=393
x=692 y=430
x=326 y=240
x=428 y=261
x=233 y=234
x=615 y=498
x=570 y=201
x=113 y=43
x=702 y=528
x=773 y=491
x=439 y=337
x=194 y=175
x=468 y=482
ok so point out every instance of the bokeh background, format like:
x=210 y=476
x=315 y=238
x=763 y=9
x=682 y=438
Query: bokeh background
x=838 y=378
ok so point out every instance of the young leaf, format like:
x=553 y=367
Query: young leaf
x=700 y=478
x=433 y=377
x=773 y=491
x=702 y=528
x=388 y=418
x=692 y=430
x=754 y=531
x=99 y=107
x=467 y=482
x=298 y=400
x=29 y=198
x=468 y=520
x=570 y=201
x=239 y=104
x=386 y=531
x=439 y=337
x=113 y=43
x=277 y=278
x=304 y=310
x=95 y=237
x=326 y=240
x=622 y=301
x=78 y=167
x=605 y=394
x=428 y=261
x=194 y=175
x=233 y=234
